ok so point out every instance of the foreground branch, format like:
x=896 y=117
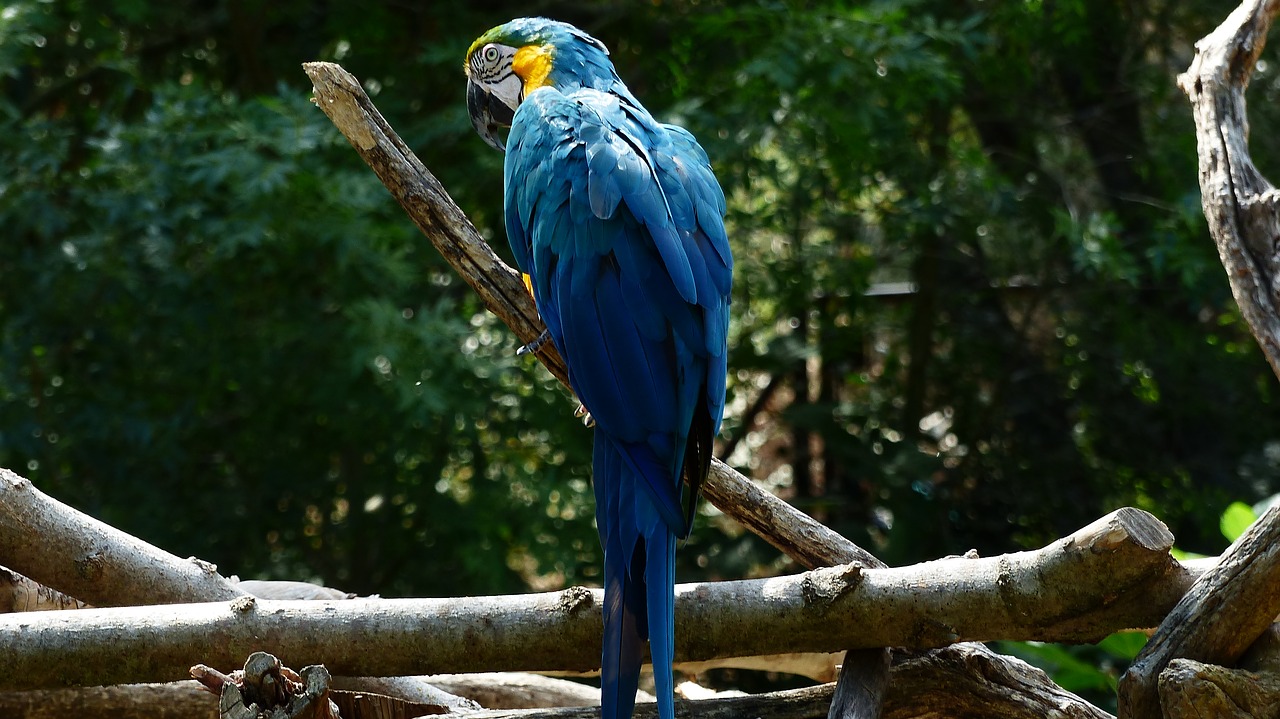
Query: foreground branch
x=76 y=554
x=1112 y=575
x=1225 y=610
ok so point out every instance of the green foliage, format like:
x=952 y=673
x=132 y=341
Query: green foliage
x=975 y=304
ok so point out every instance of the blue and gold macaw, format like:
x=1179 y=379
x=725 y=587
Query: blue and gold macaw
x=618 y=224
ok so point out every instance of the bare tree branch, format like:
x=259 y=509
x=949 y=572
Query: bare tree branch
x=92 y=561
x=1114 y=574
x=1192 y=690
x=1239 y=203
x=1224 y=612
x=427 y=203
x=23 y=594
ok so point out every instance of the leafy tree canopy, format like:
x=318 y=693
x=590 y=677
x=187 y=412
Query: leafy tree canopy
x=976 y=305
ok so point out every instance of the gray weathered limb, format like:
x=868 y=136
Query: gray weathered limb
x=961 y=682
x=1114 y=574
x=419 y=690
x=1239 y=203
x=521 y=690
x=23 y=594
x=174 y=700
x=1224 y=612
x=1193 y=690
x=91 y=561
x=499 y=286
x=969 y=681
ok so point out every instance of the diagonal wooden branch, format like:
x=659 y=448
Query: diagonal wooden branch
x=92 y=561
x=340 y=96
x=1113 y=574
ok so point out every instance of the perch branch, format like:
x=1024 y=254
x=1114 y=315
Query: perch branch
x=1114 y=574
x=340 y=96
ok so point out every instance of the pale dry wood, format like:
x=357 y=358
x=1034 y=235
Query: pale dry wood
x=1239 y=203
x=969 y=681
x=91 y=561
x=1224 y=611
x=820 y=667
x=1194 y=690
x=1112 y=575
x=961 y=682
x=175 y=700
x=419 y=690
x=521 y=690
x=285 y=589
x=339 y=95
x=23 y=594
x=956 y=682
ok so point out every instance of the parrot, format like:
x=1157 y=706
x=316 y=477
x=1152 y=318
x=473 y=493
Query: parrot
x=616 y=222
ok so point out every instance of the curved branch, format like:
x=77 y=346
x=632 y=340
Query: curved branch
x=1239 y=203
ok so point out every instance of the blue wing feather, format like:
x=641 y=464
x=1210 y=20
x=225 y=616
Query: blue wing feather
x=619 y=221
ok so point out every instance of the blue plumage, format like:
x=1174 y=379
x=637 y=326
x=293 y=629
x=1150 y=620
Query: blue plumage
x=618 y=220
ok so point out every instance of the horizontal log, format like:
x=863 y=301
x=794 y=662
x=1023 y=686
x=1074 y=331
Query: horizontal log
x=1114 y=574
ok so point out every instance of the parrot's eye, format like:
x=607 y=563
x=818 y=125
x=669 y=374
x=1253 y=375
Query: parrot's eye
x=490 y=53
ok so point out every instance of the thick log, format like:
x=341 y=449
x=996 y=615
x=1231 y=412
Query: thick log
x=91 y=561
x=1223 y=613
x=1194 y=690
x=1114 y=574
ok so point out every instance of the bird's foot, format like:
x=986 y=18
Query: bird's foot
x=534 y=345
x=587 y=419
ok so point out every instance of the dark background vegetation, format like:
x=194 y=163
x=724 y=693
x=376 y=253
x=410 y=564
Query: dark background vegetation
x=976 y=304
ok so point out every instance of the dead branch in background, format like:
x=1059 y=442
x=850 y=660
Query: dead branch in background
x=1231 y=605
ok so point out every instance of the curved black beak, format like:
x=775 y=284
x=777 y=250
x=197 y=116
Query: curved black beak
x=488 y=113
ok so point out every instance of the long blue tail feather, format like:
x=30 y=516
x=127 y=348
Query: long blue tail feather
x=639 y=577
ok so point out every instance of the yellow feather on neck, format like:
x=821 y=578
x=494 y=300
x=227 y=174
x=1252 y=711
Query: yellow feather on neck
x=532 y=64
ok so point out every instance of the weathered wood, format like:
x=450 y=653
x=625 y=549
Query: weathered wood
x=1114 y=574
x=1194 y=690
x=1239 y=203
x=429 y=206
x=1224 y=612
x=91 y=561
x=23 y=594
x=969 y=681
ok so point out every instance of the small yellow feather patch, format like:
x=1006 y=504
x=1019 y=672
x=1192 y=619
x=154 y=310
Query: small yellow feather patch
x=528 y=283
x=532 y=64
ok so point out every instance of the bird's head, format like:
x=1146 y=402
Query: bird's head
x=509 y=62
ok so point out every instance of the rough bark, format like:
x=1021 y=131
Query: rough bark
x=23 y=594
x=1114 y=574
x=91 y=561
x=521 y=690
x=175 y=700
x=1239 y=203
x=1223 y=613
x=1192 y=690
x=429 y=206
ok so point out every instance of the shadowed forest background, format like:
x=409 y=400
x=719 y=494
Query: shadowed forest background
x=976 y=305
